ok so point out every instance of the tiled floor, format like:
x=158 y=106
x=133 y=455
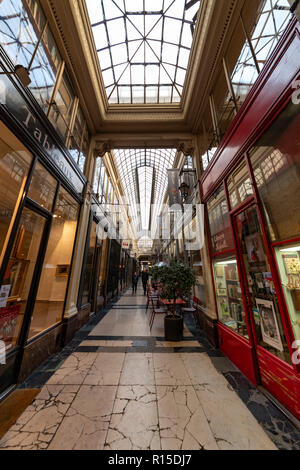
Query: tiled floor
x=118 y=386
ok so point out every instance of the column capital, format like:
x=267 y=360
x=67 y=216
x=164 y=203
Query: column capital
x=101 y=148
x=186 y=147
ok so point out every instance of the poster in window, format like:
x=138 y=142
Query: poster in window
x=255 y=251
x=268 y=323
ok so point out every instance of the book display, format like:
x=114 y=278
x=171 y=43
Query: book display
x=229 y=296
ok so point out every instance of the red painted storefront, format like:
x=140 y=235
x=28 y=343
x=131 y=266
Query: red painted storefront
x=255 y=177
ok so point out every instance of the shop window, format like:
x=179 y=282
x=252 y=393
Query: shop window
x=229 y=295
x=51 y=293
x=219 y=222
x=88 y=272
x=239 y=186
x=79 y=140
x=42 y=187
x=62 y=107
x=21 y=24
x=15 y=162
x=275 y=160
x=288 y=260
x=262 y=292
x=15 y=288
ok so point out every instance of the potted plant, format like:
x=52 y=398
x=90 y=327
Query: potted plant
x=177 y=281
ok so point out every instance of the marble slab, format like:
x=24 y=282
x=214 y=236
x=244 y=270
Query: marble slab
x=138 y=369
x=36 y=427
x=134 y=421
x=106 y=369
x=201 y=369
x=233 y=425
x=183 y=424
x=169 y=369
x=74 y=370
x=86 y=423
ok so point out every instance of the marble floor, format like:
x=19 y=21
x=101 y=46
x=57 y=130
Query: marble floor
x=119 y=386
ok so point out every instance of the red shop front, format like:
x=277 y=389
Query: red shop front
x=251 y=190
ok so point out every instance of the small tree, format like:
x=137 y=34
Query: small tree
x=177 y=281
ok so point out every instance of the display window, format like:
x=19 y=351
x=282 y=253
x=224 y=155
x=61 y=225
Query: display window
x=276 y=165
x=239 y=186
x=15 y=161
x=42 y=187
x=262 y=296
x=90 y=262
x=288 y=262
x=49 y=304
x=219 y=222
x=229 y=295
x=16 y=283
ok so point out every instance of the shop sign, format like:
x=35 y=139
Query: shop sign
x=16 y=105
x=220 y=242
x=125 y=245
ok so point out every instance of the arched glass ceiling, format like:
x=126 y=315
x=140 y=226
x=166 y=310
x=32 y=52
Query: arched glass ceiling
x=143 y=174
x=143 y=47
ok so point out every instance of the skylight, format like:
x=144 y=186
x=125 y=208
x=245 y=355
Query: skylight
x=143 y=47
x=143 y=174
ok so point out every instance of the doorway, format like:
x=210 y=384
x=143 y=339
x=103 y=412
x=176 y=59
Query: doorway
x=17 y=290
x=260 y=291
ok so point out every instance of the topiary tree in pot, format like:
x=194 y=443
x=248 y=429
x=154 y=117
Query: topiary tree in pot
x=177 y=281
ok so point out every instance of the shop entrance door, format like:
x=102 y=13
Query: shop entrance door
x=261 y=297
x=18 y=292
x=96 y=290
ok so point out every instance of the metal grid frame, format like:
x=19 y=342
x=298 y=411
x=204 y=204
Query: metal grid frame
x=143 y=53
x=139 y=170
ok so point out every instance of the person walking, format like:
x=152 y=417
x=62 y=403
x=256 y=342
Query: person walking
x=135 y=280
x=145 y=277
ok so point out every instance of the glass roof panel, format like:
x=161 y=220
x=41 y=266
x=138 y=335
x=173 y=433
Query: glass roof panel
x=140 y=33
x=143 y=175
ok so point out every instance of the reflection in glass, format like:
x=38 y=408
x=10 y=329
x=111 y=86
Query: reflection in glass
x=18 y=275
x=87 y=280
x=239 y=186
x=288 y=260
x=229 y=295
x=219 y=222
x=42 y=187
x=20 y=26
x=263 y=297
x=61 y=109
x=272 y=19
x=14 y=166
x=51 y=294
x=275 y=161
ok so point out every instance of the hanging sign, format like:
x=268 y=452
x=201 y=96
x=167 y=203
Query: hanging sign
x=173 y=187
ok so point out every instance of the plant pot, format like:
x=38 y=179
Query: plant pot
x=173 y=328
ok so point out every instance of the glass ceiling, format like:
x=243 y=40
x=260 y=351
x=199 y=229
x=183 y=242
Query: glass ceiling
x=143 y=174
x=143 y=47
x=272 y=20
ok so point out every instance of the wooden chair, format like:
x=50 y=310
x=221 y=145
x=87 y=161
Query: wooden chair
x=156 y=310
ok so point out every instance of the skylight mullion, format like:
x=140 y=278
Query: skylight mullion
x=158 y=85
